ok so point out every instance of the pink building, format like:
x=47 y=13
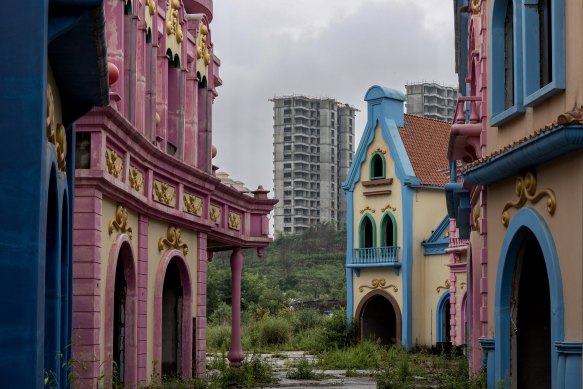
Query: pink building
x=149 y=210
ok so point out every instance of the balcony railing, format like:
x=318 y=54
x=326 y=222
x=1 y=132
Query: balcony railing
x=373 y=256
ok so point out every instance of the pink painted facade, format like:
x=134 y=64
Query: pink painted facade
x=468 y=142
x=149 y=210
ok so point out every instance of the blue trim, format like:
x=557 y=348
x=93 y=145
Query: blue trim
x=569 y=368
x=349 y=247
x=533 y=92
x=439 y=312
x=388 y=113
x=488 y=346
x=437 y=243
x=536 y=151
x=499 y=115
x=526 y=220
x=407 y=266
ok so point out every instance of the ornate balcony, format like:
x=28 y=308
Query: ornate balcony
x=375 y=257
x=464 y=141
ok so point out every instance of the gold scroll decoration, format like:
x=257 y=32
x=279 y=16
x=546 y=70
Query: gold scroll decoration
x=172 y=22
x=215 y=214
x=234 y=221
x=192 y=204
x=136 y=179
x=120 y=222
x=164 y=193
x=462 y=285
x=173 y=239
x=476 y=6
x=151 y=7
x=378 y=284
x=388 y=207
x=202 y=51
x=114 y=163
x=477 y=219
x=526 y=190
x=56 y=133
x=378 y=150
x=446 y=285
x=367 y=208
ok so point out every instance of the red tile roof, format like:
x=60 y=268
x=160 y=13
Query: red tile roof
x=426 y=141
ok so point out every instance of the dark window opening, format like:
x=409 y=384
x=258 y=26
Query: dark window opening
x=367 y=233
x=545 y=43
x=83 y=150
x=119 y=322
x=509 y=56
x=377 y=167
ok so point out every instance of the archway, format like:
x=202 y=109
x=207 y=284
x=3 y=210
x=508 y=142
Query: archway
x=389 y=231
x=185 y=317
x=367 y=232
x=172 y=307
x=379 y=318
x=121 y=314
x=529 y=293
x=443 y=316
x=530 y=322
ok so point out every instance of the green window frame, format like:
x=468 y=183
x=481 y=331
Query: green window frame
x=373 y=162
x=388 y=217
x=361 y=232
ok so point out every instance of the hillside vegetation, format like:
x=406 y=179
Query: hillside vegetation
x=301 y=267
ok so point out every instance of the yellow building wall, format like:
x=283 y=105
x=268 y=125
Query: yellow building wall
x=157 y=230
x=429 y=272
x=376 y=203
x=108 y=208
x=365 y=281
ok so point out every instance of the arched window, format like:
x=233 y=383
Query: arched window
x=367 y=232
x=388 y=231
x=377 y=166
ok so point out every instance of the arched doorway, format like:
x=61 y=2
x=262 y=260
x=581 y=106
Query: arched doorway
x=528 y=304
x=530 y=320
x=379 y=318
x=121 y=314
x=389 y=231
x=172 y=301
x=443 y=316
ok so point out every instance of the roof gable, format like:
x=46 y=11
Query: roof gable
x=438 y=241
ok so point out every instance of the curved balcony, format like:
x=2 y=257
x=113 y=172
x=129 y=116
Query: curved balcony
x=375 y=257
x=464 y=140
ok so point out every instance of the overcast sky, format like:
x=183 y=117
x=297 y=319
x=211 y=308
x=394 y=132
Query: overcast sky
x=329 y=48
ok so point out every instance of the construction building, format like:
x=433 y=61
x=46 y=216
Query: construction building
x=313 y=142
x=431 y=100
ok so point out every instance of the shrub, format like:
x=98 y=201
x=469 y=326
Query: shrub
x=337 y=333
x=365 y=355
x=301 y=370
x=253 y=372
x=218 y=338
x=273 y=331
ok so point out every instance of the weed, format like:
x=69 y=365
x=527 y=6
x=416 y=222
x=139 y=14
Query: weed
x=302 y=369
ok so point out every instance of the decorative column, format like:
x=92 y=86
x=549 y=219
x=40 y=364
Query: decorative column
x=488 y=360
x=235 y=354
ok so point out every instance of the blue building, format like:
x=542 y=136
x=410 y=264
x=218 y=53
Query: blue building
x=53 y=70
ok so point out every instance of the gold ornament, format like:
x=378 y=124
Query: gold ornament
x=173 y=239
x=120 y=222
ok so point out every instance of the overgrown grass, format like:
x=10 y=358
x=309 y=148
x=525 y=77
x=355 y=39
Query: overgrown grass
x=301 y=369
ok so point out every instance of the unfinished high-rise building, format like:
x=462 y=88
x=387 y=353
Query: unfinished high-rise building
x=431 y=100
x=313 y=142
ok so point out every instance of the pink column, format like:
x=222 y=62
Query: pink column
x=142 y=298
x=484 y=264
x=86 y=292
x=200 y=340
x=236 y=352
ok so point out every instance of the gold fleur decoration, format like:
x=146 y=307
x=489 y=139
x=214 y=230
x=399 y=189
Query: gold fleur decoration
x=120 y=222
x=164 y=193
x=378 y=150
x=526 y=190
x=367 y=208
x=462 y=285
x=114 y=163
x=446 y=286
x=56 y=133
x=136 y=179
x=192 y=204
x=215 y=214
x=477 y=219
x=172 y=22
x=234 y=221
x=173 y=239
x=388 y=207
x=378 y=284
x=476 y=6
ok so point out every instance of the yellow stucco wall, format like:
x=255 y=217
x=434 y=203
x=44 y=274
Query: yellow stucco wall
x=108 y=214
x=429 y=272
x=366 y=279
x=157 y=230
